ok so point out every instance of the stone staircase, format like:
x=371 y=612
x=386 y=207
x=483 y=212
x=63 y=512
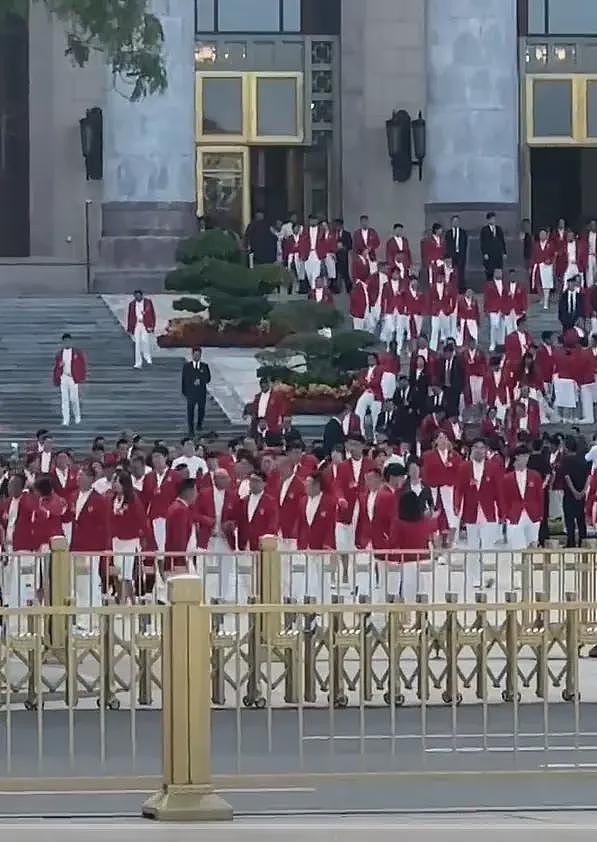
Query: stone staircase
x=115 y=398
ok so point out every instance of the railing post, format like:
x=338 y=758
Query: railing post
x=187 y=794
x=60 y=591
x=270 y=590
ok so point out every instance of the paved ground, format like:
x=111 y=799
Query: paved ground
x=409 y=771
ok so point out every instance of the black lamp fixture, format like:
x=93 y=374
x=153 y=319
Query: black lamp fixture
x=92 y=143
x=404 y=133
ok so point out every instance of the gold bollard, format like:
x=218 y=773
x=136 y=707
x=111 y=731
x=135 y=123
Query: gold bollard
x=571 y=692
x=511 y=692
x=60 y=592
x=541 y=653
x=187 y=794
x=309 y=633
x=481 y=645
x=422 y=623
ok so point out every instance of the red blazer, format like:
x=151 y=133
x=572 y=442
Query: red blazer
x=373 y=284
x=78 y=367
x=432 y=251
x=533 y=423
x=518 y=300
x=158 y=500
x=393 y=249
x=584 y=365
x=492 y=392
x=391 y=299
x=375 y=532
x=359 y=300
x=468 y=497
x=565 y=365
x=545 y=254
x=582 y=256
x=22 y=539
x=513 y=505
x=466 y=311
x=65 y=491
x=305 y=242
x=411 y=535
x=349 y=489
x=321 y=534
x=373 y=383
x=263 y=522
x=446 y=304
x=513 y=348
x=48 y=517
x=326 y=245
x=490 y=428
x=475 y=364
x=545 y=363
x=289 y=508
x=130 y=522
x=360 y=268
x=274 y=411
x=428 y=429
x=413 y=305
x=205 y=516
x=326 y=298
x=436 y=473
x=148 y=316
x=372 y=244
x=493 y=302
x=91 y=530
x=180 y=523
x=291 y=246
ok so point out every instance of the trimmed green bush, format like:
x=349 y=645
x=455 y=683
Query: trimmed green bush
x=213 y=243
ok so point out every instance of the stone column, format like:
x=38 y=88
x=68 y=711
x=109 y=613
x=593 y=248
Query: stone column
x=383 y=69
x=149 y=156
x=472 y=114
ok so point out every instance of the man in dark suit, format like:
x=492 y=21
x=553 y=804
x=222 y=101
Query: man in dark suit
x=405 y=419
x=195 y=377
x=456 y=248
x=343 y=249
x=450 y=375
x=493 y=246
x=571 y=305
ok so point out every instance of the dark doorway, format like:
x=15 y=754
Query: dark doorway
x=276 y=181
x=564 y=184
x=14 y=137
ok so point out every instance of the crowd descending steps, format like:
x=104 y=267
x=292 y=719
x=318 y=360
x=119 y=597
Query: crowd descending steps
x=115 y=398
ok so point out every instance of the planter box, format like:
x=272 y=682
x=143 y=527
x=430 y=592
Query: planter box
x=188 y=334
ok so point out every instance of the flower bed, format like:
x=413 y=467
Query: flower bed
x=187 y=333
x=315 y=406
x=315 y=399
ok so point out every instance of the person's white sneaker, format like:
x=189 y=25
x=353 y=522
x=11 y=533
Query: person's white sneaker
x=137 y=366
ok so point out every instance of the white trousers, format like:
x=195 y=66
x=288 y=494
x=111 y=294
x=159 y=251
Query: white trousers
x=312 y=268
x=510 y=323
x=307 y=577
x=125 y=551
x=497 y=333
x=142 y=345
x=88 y=588
x=476 y=386
x=330 y=266
x=522 y=535
x=446 y=493
x=364 y=403
x=479 y=536
x=159 y=534
x=298 y=265
x=440 y=329
x=473 y=329
x=229 y=585
x=395 y=323
x=591 y=269
x=69 y=395
x=586 y=401
x=358 y=324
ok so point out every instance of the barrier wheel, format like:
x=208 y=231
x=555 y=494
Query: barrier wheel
x=247 y=702
x=29 y=705
x=398 y=699
x=114 y=704
x=260 y=703
x=509 y=697
x=570 y=697
x=447 y=698
x=341 y=702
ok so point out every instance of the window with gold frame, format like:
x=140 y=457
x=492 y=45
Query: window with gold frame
x=259 y=108
x=561 y=109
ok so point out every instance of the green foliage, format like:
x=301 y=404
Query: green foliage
x=129 y=36
x=189 y=305
x=304 y=316
x=215 y=243
x=242 y=311
x=211 y=273
x=332 y=362
x=273 y=275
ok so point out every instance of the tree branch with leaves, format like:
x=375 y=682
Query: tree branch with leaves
x=130 y=37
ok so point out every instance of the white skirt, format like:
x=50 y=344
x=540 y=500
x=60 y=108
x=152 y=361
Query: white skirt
x=124 y=557
x=565 y=391
x=546 y=275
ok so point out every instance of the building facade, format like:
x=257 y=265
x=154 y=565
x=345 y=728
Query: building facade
x=281 y=105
